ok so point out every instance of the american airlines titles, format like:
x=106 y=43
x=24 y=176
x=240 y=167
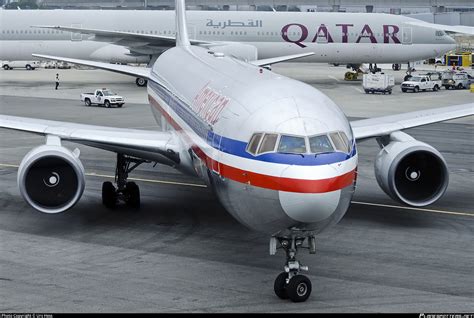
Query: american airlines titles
x=209 y=104
x=390 y=34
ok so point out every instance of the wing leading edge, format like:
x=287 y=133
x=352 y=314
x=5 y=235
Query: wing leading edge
x=131 y=37
x=450 y=28
x=150 y=145
x=143 y=72
x=385 y=125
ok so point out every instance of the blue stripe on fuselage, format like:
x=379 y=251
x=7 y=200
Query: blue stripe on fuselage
x=237 y=147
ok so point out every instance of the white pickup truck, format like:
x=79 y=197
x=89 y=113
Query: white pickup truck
x=102 y=97
x=421 y=83
x=29 y=65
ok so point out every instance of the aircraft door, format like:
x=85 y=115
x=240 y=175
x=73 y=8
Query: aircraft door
x=76 y=36
x=407 y=35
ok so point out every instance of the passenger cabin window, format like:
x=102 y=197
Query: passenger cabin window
x=253 y=144
x=292 y=144
x=268 y=143
x=320 y=144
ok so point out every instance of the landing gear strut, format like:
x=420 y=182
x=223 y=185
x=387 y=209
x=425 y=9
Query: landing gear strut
x=410 y=69
x=374 y=69
x=127 y=192
x=290 y=283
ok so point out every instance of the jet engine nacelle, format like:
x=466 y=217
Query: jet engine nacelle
x=244 y=52
x=411 y=171
x=51 y=178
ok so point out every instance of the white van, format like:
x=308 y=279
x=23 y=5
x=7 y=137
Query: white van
x=29 y=65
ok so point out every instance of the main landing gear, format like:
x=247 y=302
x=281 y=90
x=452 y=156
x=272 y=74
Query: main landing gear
x=127 y=192
x=290 y=283
x=141 y=82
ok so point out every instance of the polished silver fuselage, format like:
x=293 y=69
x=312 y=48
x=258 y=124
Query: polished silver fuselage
x=264 y=195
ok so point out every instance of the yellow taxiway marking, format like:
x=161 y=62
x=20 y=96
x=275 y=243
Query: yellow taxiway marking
x=413 y=209
x=93 y=174
x=8 y=166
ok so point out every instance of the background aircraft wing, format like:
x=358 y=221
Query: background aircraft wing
x=381 y=126
x=130 y=39
x=280 y=59
x=450 y=28
x=150 y=145
x=143 y=72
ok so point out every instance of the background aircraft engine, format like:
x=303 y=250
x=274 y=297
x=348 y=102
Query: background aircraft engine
x=411 y=172
x=244 y=52
x=51 y=178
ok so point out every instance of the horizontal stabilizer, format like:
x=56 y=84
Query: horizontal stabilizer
x=280 y=59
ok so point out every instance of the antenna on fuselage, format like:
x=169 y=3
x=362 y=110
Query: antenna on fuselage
x=182 y=38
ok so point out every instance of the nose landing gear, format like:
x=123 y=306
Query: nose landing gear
x=290 y=283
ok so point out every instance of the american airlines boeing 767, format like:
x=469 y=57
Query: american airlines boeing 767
x=141 y=36
x=280 y=155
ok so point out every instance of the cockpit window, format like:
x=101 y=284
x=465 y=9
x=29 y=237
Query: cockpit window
x=340 y=141
x=319 y=144
x=292 y=144
x=261 y=143
x=268 y=143
x=253 y=144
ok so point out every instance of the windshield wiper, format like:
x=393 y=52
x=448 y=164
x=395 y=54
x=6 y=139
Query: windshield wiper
x=323 y=153
x=292 y=153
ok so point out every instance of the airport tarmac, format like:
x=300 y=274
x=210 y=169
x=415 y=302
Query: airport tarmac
x=182 y=252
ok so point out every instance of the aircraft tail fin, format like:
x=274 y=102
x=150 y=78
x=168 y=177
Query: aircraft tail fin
x=182 y=38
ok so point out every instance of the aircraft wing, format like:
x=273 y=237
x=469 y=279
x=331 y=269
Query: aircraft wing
x=143 y=72
x=124 y=38
x=450 y=28
x=385 y=125
x=150 y=145
x=275 y=60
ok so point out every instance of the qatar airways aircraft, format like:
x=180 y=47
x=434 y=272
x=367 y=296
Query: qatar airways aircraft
x=280 y=155
x=141 y=36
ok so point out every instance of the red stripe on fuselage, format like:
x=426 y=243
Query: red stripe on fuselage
x=262 y=180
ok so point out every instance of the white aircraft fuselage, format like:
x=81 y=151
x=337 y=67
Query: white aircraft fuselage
x=334 y=37
x=222 y=107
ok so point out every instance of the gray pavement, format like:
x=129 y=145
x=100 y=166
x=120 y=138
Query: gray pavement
x=182 y=252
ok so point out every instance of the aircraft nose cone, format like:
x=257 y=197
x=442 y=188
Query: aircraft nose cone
x=309 y=207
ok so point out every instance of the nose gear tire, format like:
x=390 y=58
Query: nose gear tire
x=299 y=288
x=280 y=286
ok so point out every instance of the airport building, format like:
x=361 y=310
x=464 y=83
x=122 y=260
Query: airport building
x=449 y=12
x=395 y=6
